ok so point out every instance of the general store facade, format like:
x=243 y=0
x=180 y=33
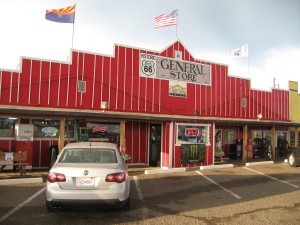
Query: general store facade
x=163 y=108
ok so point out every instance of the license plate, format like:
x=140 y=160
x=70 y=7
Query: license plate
x=85 y=181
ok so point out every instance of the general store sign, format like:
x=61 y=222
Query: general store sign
x=154 y=66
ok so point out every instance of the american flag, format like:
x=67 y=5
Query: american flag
x=165 y=19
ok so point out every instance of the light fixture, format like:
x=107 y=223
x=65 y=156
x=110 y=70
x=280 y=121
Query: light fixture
x=103 y=106
x=259 y=116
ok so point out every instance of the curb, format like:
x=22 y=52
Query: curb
x=21 y=181
x=171 y=170
x=259 y=163
x=216 y=166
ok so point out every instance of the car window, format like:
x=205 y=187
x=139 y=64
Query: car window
x=86 y=155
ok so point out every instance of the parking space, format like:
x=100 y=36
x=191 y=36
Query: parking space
x=256 y=182
x=193 y=197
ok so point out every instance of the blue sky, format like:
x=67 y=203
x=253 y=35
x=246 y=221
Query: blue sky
x=209 y=29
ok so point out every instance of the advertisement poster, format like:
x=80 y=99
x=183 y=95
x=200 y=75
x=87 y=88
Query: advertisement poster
x=192 y=153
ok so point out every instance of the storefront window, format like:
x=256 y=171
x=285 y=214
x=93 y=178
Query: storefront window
x=48 y=128
x=292 y=138
x=6 y=127
x=261 y=134
x=191 y=133
x=109 y=132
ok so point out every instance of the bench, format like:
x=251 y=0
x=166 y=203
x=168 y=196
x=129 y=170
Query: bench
x=14 y=159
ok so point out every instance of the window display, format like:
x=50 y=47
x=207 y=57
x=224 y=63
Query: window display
x=48 y=128
x=191 y=133
x=109 y=132
x=6 y=127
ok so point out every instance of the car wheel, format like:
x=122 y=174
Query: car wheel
x=126 y=206
x=292 y=160
x=49 y=207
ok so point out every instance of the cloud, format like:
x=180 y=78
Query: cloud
x=281 y=64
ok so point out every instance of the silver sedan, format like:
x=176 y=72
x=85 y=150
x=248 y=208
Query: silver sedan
x=88 y=175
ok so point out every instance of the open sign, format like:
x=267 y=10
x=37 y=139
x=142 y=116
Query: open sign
x=191 y=132
x=49 y=131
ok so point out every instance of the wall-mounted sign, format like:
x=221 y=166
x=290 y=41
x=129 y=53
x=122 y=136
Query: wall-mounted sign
x=24 y=132
x=49 y=131
x=191 y=132
x=9 y=156
x=177 y=89
x=192 y=153
x=99 y=129
x=154 y=66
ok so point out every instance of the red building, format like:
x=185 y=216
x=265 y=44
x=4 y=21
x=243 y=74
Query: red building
x=163 y=108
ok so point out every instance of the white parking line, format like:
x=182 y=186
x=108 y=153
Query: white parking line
x=21 y=205
x=220 y=186
x=141 y=198
x=273 y=178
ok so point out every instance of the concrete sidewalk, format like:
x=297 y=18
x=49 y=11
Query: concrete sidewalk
x=34 y=176
x=40 y=176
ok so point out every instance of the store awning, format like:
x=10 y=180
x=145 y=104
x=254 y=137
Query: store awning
x=9 y=111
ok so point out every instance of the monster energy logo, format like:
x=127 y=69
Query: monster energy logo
x=194 y=151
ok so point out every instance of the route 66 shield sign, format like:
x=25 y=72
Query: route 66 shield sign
x=148 y=65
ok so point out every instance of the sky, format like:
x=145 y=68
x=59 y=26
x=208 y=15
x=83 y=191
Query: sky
x=209 y=29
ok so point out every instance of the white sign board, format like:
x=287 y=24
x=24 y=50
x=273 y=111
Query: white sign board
x=9 y=156
x=154 y=66
x=24 y=132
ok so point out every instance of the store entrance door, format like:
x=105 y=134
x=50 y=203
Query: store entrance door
x=155 y=145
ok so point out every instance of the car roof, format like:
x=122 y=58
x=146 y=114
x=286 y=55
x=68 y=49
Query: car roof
x=91 y=144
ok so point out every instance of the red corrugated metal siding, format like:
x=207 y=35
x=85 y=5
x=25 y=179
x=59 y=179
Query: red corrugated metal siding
x=116 y=80
x=6 y=145
x=165 y=145
x=136 y=135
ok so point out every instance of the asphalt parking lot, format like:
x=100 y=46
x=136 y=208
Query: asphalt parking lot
x=264 y=194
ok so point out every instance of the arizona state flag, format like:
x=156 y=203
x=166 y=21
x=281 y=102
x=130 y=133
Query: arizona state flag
x=63 y=15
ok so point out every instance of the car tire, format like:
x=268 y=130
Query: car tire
x=49 y=207
x=292 y=160
x=126 y=205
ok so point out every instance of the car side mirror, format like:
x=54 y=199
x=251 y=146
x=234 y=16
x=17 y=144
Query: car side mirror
x=126 y=156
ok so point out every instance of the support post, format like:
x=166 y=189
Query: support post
x=296 y=136
x=122 y=136
x=273 y=141
x=61 y=138
x=245 y=140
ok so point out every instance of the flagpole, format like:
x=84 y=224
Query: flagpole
x=248 y=60
x=177 y=24
x=73 y=28
x=73 y=34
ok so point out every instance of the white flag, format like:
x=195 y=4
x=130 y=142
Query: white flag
x=239 y=52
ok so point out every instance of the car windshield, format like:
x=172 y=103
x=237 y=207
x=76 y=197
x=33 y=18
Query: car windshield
x=88 y=155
